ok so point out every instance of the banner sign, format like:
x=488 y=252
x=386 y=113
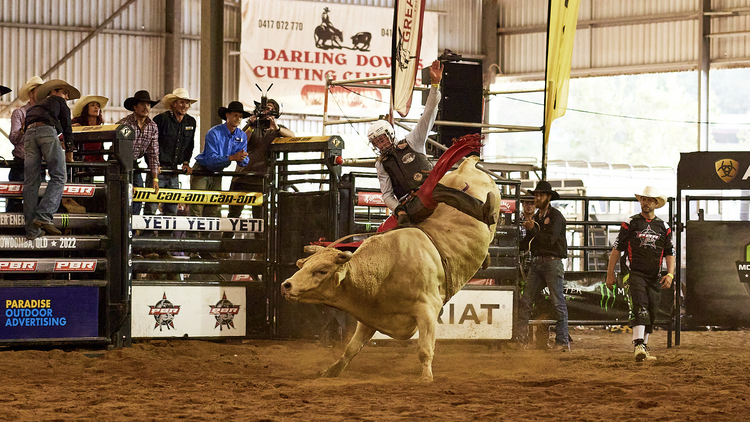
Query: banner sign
x=52 y=265
x=204 y=197
x=49 y=312
x=16 y=189
x=561 y=34
x=189 y=311
x=295 y=45
x=74 y=221
x=407 y=41
x=51 y=243
x=714 y=170
x=370 y=199
x=483 y=313
x=204 y=224
x=717 y=291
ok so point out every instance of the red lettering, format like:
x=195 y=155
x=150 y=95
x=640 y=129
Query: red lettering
x=268 y=54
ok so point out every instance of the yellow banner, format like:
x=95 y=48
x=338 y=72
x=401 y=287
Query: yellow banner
x=563 y=18
x=178 y=196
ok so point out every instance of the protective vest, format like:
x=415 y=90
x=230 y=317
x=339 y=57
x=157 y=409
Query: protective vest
x=407 y=168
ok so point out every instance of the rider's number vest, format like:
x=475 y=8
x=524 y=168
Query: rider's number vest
x=407 y=168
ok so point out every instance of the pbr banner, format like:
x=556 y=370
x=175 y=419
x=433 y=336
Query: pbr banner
x=52 y=265
x=714 y=170
x=407 y=41
x=204 y=224
x=189 y=311
x=70 y=190
x=295 y=45
x=178 y=196
x=49 y=312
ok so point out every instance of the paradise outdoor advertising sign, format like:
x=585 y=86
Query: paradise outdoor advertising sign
x=294 y=45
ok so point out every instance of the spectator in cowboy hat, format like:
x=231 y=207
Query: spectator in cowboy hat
x=27 y=93
x=176 y=144
x=647 y=239
x=47 y=125
x=545 y=238
x=87 y=111
x=224 y=143
x=146 y=141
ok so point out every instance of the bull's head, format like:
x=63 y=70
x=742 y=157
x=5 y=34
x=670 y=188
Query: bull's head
x=318 y=275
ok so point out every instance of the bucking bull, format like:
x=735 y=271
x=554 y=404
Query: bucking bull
x=398 y=281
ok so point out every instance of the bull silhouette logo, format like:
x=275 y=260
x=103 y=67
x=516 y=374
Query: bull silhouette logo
x=328 y=36
x=726 y=169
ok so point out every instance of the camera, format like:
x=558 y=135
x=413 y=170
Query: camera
x=262 y=113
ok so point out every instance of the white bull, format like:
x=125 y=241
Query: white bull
x=397 y=282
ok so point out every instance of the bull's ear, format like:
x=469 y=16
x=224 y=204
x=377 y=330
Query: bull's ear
x=340 y=275
x=313 y=248
x=300 y=263
x=343 y=257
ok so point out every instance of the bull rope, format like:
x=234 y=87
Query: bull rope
x=449 y=291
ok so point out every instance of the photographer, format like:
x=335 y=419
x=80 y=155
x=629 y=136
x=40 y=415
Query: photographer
x=261 y=130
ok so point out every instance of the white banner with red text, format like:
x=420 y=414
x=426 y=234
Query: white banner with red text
x=294 y=45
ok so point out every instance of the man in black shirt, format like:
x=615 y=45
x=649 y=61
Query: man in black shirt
x=47 y=125
x=645 y=239
x=545 y=238
x=176 y=144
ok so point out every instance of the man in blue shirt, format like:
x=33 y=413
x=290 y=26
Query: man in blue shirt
x=223 y=144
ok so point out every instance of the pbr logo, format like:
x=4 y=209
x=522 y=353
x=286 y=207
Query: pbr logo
x=13 y=266
x=224 y=312
x=726 y=169
x=164 y=312
x=77 y=266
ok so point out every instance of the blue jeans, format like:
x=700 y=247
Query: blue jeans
x=41 y=142
x=166 y=181
x=551 y=275
x=138 y=183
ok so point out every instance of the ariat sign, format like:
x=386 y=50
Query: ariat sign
x=714 y=170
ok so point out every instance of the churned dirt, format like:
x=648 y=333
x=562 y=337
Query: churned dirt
x=706 y=378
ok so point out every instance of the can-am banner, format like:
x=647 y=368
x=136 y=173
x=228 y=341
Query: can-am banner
x=294 y=45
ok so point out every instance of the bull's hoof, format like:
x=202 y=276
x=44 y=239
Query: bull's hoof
x=334 y=371
x=425 y=378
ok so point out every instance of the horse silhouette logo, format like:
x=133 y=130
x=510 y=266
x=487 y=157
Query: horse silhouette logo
x=327 y=36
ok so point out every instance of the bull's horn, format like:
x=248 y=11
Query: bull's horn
x=313 y=248
x=343 y=257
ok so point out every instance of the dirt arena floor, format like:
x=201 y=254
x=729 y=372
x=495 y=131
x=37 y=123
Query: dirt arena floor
x=706 y=378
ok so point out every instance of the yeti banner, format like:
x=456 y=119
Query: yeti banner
x=407 y=39
x=295 y=45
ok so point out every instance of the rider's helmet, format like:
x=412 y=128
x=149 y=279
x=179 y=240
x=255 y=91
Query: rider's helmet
x=381 y=136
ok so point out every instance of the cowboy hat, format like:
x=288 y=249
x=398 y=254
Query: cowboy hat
x=544 y=187
x=652 y=192
x=33 y=82
x=4 y=90
x=233 y=106
x=85 y=100
x=179 y=93
x=46 y=88
x=141 y=96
